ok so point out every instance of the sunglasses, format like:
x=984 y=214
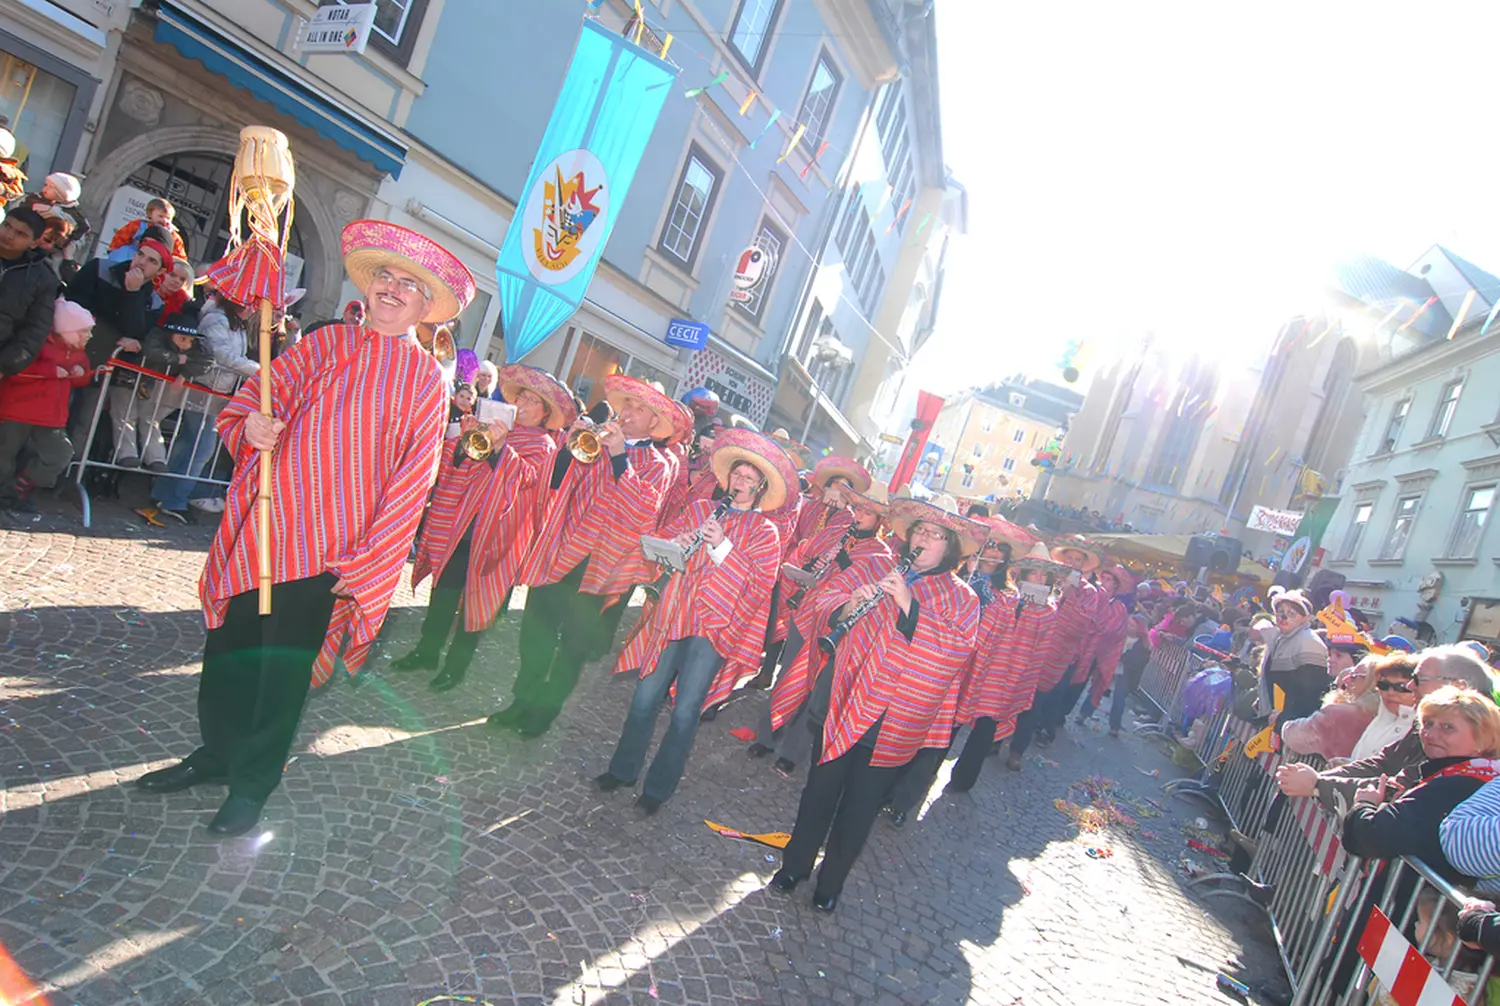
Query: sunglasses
x=1394 y=686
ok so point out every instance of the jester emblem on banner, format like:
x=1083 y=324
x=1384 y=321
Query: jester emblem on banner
x=561 y=212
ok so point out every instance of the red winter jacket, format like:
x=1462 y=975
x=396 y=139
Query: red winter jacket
x=37 y=395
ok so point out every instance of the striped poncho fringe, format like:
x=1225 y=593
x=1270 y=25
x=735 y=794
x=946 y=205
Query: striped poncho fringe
x=597 y=517
x=869 y=560
x=1109 y=645
x=1013 y=648
x=502 y=504
x=914 y=685
x=726 y=603
x=350 y=475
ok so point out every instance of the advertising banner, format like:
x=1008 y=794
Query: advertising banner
x=928 y=407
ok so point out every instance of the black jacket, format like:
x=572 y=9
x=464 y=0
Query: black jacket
x=1408 y=825
x=160 y=354
x=28 y=294
x=118 y=313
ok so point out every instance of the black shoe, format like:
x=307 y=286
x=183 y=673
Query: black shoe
x=757 y=750
x=510 y=716
x=156 y=467
x=447 y=680
x=647 y=805
x=178 y=777
x=785 y=882
x=609 y=782
x=825 y=902
x=238 y=815
x=1045 y=736
x=898 y=818
x=710 y=714
x=759 y=683
x=417 y=660
x=21 y=504
x=531 y=731
x=785 y=766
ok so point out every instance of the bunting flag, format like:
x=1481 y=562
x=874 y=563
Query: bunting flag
x=694 y=92
x=601 y=123
x=796 y=139
x=666 y=45
x=899 y=214
x=1273 y=455
x=808 y=166
x=921 y=226
x=775 y=114
x=1463 y=312
x=749 y=100
x=1491 y=318
x=1430 y=301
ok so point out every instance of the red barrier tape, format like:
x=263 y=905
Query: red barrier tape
x=157 y=374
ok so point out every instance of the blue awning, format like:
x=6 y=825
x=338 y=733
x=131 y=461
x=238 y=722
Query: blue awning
x=242 y=68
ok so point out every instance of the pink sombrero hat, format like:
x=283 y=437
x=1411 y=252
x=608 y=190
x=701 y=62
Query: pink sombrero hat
x=518 y=377
x=1003 y=531
x=735 y=444
x=369 y=245
x=618 y=386
x=836 y=465
x=877 y=498
x=941 y=510
x=800 y=453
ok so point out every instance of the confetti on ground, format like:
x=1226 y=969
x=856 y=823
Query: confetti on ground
x=454 y=999
x=1206 y=849
x=746 y=734
x=1041 y=762
x=1149 y=774
x=1095 y=852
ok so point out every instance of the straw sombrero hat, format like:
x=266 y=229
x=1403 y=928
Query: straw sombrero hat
x=734 y=444
x=518 y=377
x=370 y=245
x=1040 y=558
x=800 y=454
x=904 y=512
x=836 y=465
x=618 y=387
x=1077 y=552
x=877 y=498
x=1003 y=531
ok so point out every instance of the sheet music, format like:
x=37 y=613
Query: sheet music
x=798 y=575
x=664 y=551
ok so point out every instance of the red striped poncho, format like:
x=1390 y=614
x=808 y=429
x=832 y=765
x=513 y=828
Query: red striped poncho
x=785 y=519
x=597 y=517
x=690 y=484
x=503 y=504
x=726 y=603
x=1013 y=650
x=914 y=685
x=813 y=517
x=1109 y=644
x=364 y=416
x=817 y=551
x=1072 y=637
x=869 y=560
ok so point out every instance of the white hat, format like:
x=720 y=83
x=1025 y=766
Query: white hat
x=66 y=185
x=7 y=143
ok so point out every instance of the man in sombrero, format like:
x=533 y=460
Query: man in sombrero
x=825 y=505
x=706 y=633
x=483 y=516
x=587 y=554
x=357 y=421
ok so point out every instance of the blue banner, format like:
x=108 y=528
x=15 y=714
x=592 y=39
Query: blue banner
x=687 y=334
x=600 y=126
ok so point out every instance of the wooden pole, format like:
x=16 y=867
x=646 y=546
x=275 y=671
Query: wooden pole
x=263 y=495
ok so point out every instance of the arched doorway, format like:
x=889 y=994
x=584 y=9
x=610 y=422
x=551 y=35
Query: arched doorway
x=197 y=184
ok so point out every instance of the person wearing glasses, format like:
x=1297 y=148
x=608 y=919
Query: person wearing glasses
x=1401 y=760
x=354 y=432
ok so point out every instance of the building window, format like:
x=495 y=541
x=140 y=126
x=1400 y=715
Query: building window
x=988 y=422
x=892 y=134
x=696 y=190
x=1356 y=532
x=1406 y=515
x=968 y=479
x=596 y=359
x=979 y=450
x=889 y=102
x=1394 y=426
x=773 y=241
x=874 y=284
x=1447 y=405
x=751 y=29
x=396 y=25
x=817 y=103
x=1020 y=436
x=1009 y=465
x=1466 y=533
x=814 y=320
x=851 y=215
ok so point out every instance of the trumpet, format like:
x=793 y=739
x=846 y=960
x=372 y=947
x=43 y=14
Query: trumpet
x=477 y=445
x=584 y=443
x=656 y=589
x=444 y=349
x=829 y=643
x=820 y=566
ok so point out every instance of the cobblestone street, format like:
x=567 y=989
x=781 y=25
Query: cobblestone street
x=412 y=853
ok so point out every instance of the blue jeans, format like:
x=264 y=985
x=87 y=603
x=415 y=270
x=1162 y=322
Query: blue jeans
x=190 y=453
x=693 y=664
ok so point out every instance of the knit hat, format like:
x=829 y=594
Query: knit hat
x=66 y=185
x=70 y=317
x=162 y=251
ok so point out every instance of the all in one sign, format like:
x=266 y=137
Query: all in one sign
x=340 y=28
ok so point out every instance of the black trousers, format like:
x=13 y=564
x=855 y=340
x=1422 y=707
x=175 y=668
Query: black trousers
x=559 y=632
x=443 y=609
x=971 y=760
x=256 y=672
x=840 y=803
x=1067 y=697
x=1038 y=716
x=916 y=776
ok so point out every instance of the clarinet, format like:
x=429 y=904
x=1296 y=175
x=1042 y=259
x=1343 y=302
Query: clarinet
x=829 y=643
x=656 y=589
x=818 y=567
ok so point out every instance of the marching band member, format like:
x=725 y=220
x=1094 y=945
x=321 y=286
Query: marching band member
x=1115 y=582
x=824 y=505
x=483 y=516
x=1015 y=645
x=990 y=580
x=893 y=689
x=587 y=554
x=705 y=634
x=358 y=423
x=842 y=561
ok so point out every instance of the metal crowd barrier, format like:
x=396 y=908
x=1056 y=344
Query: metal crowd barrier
x=162 y=398
x=1162 y=681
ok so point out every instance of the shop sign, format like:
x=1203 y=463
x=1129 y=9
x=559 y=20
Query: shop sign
x=340 y=28
x=754 y=269
x=1280 y=522
x=105 y=14
x=891 y=438
x=743 y=392
x=687 y=334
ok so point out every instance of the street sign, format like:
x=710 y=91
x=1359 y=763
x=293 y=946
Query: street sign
x=687 y=334
x=890 y=438
x=339 y=28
